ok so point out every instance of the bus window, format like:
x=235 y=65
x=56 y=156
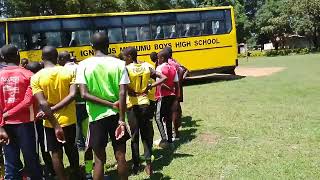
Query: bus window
x=115 y=35
x=79 y=38
x=140 y=33
x=216 y=22
x=163 y=18
x=46 y=25
x=2 y=35
x=164 y=31
x=190 y=29
x=136 y=28
x=107 y=22
x=38 y=40
x=53 y=39
x=18 y=34
x=77 y=24
x=19 y=40
x=228 y=21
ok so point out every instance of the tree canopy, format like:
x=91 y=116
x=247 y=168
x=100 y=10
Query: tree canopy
x=257 y=21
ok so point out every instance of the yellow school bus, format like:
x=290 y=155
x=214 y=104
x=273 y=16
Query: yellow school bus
x=202 y=39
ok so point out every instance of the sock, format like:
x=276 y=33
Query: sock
x=88 y=166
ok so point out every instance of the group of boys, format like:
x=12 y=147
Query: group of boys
x=107 y=92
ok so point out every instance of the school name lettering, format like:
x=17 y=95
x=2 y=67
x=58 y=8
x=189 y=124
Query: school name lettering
x=155 y=47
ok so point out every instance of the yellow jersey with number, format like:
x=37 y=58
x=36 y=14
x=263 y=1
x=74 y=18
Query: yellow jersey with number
x=139 y=75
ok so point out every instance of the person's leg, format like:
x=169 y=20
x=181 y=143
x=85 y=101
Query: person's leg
x=13 y=164
x=134 y=127
x=168 y=116
x=81 y=116
x=99 y=161
x=159 y=118
x=98 y=140
x=58 y=167
x=120 y=153
x=72 y=151
x=53 y=146
x=146 y=129
x=88 y=161
x=119 y=147
x=27 y=137
x=46 y=157
x=175 y=119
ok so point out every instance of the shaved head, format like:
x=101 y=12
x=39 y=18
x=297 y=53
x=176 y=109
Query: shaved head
x=10 y=54
x=163 y=56
x=63 y=58
x=50 y=53
x=100 y=41
x=169 y=49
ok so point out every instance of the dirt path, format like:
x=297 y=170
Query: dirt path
x=258 y=72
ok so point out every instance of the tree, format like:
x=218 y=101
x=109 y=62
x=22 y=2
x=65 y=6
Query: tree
x=306 y=19
x=273 y=21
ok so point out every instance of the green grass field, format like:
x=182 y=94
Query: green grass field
x=248 y=128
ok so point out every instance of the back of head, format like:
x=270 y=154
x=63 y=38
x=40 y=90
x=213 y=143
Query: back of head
x=169 y=49
x=63 y=58
x=34 y=67
x=100 y=41
x=154 y=57
x=131 y=52
x=10 y=54
x=163 y=56
x=50 y=53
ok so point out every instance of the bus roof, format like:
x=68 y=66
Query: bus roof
x=112 y=14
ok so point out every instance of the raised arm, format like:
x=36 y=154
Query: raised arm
x=67 y=100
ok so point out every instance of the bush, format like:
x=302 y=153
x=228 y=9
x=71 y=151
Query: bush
x=272 y=53
x=285 y=52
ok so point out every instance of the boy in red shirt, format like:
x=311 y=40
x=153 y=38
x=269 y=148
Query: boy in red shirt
x=17 y=117
x=166 y=94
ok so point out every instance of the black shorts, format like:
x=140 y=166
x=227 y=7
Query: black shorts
x=99 y=131
x=51 y=142
x=152 y=109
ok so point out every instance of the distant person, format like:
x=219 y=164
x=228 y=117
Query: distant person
x=17 y=114
x=55 y=90
x=177 y=110
x=103 y=82
x=166 y=94
x=138 y=107
x=24 y=62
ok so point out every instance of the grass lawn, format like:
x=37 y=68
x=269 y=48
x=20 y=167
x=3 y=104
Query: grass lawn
x=248 y=128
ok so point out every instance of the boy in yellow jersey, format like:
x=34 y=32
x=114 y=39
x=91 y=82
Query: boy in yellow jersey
x=138 y=106
x=55 y=90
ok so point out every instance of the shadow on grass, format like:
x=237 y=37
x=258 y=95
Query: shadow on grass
x=212 y=79
x=163 y=157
